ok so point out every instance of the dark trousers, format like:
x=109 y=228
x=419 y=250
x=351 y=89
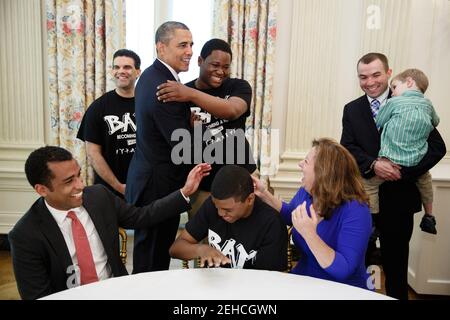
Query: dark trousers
x=151 y=245
x=395 y=232
x=373 y=254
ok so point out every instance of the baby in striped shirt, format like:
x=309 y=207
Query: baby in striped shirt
x=407 y=119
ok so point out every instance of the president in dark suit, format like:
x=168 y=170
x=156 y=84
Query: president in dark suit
x=47 y=252
x=399 y=196
x=152 y=173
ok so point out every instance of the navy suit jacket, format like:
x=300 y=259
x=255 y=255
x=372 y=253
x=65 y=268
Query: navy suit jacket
x=40 y=255
x=151 y=168
x=361 y=137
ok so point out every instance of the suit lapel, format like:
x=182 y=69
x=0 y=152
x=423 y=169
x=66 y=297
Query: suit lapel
x=367 y=113
x=52 y=232
x=161 y=67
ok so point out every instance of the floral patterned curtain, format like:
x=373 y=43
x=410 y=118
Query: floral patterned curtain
x=82 y=36
x=250 y=28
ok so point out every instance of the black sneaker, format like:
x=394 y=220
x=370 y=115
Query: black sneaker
x=428 y=224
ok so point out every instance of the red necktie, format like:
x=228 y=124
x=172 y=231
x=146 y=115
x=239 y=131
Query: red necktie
x=83 y=251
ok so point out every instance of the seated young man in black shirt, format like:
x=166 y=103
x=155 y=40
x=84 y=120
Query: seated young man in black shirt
x=241 y=230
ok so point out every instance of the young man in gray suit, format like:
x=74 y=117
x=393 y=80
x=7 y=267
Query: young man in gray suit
x=70 y=234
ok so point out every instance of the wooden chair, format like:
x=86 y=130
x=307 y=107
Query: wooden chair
x=185 y=264
x=290 y=263
x=123 y=245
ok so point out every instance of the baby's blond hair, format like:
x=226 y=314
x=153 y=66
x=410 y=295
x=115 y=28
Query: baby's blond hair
x=417 y=75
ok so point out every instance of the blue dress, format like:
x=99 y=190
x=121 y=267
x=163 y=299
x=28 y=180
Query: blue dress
x=346 y=232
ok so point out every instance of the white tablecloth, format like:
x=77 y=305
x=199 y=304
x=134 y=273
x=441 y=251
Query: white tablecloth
x=216 y=284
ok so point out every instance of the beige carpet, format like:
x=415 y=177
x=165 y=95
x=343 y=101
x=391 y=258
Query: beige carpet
x=8 y=289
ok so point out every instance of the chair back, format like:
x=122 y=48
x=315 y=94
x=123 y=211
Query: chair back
x=290 y=262
x=123 y=245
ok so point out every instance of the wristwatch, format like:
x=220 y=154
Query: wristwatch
x=372 y=166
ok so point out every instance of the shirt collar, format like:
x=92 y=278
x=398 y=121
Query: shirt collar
x=412 y=93
x=60 y=215
x=382 y=98
x=172 y=71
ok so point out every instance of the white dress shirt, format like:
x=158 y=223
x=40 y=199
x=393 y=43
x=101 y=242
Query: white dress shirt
x=98 y=251
x=382 y=98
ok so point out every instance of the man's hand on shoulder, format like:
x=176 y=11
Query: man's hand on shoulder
x=194 y=178
x=174 y=91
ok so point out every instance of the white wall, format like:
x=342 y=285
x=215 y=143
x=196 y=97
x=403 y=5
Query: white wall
x=429 y=258
x=318 y=45
x=22 y=99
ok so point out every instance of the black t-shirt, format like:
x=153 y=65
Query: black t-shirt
x=256 y=242
x=223 y=130
x=110 y=122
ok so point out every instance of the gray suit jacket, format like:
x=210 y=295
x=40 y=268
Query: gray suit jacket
x=39 y=252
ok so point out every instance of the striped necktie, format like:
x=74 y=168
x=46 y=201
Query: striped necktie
x=375 y=106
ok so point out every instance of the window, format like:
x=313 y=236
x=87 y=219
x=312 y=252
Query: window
x=139 y=24
x=141 y=27
x=198 y=16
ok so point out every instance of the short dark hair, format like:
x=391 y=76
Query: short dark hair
x=36 y=168
x=215 y=44
x=130 y=54
x=372 y=56
x=232 y=181
x=165 y=31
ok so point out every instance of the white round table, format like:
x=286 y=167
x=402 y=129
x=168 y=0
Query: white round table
x=216 y=284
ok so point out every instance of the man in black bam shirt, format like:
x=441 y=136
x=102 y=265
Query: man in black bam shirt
x=109 y=127
x=222 y=104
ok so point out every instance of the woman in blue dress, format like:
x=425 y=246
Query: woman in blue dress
x=330 y=215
